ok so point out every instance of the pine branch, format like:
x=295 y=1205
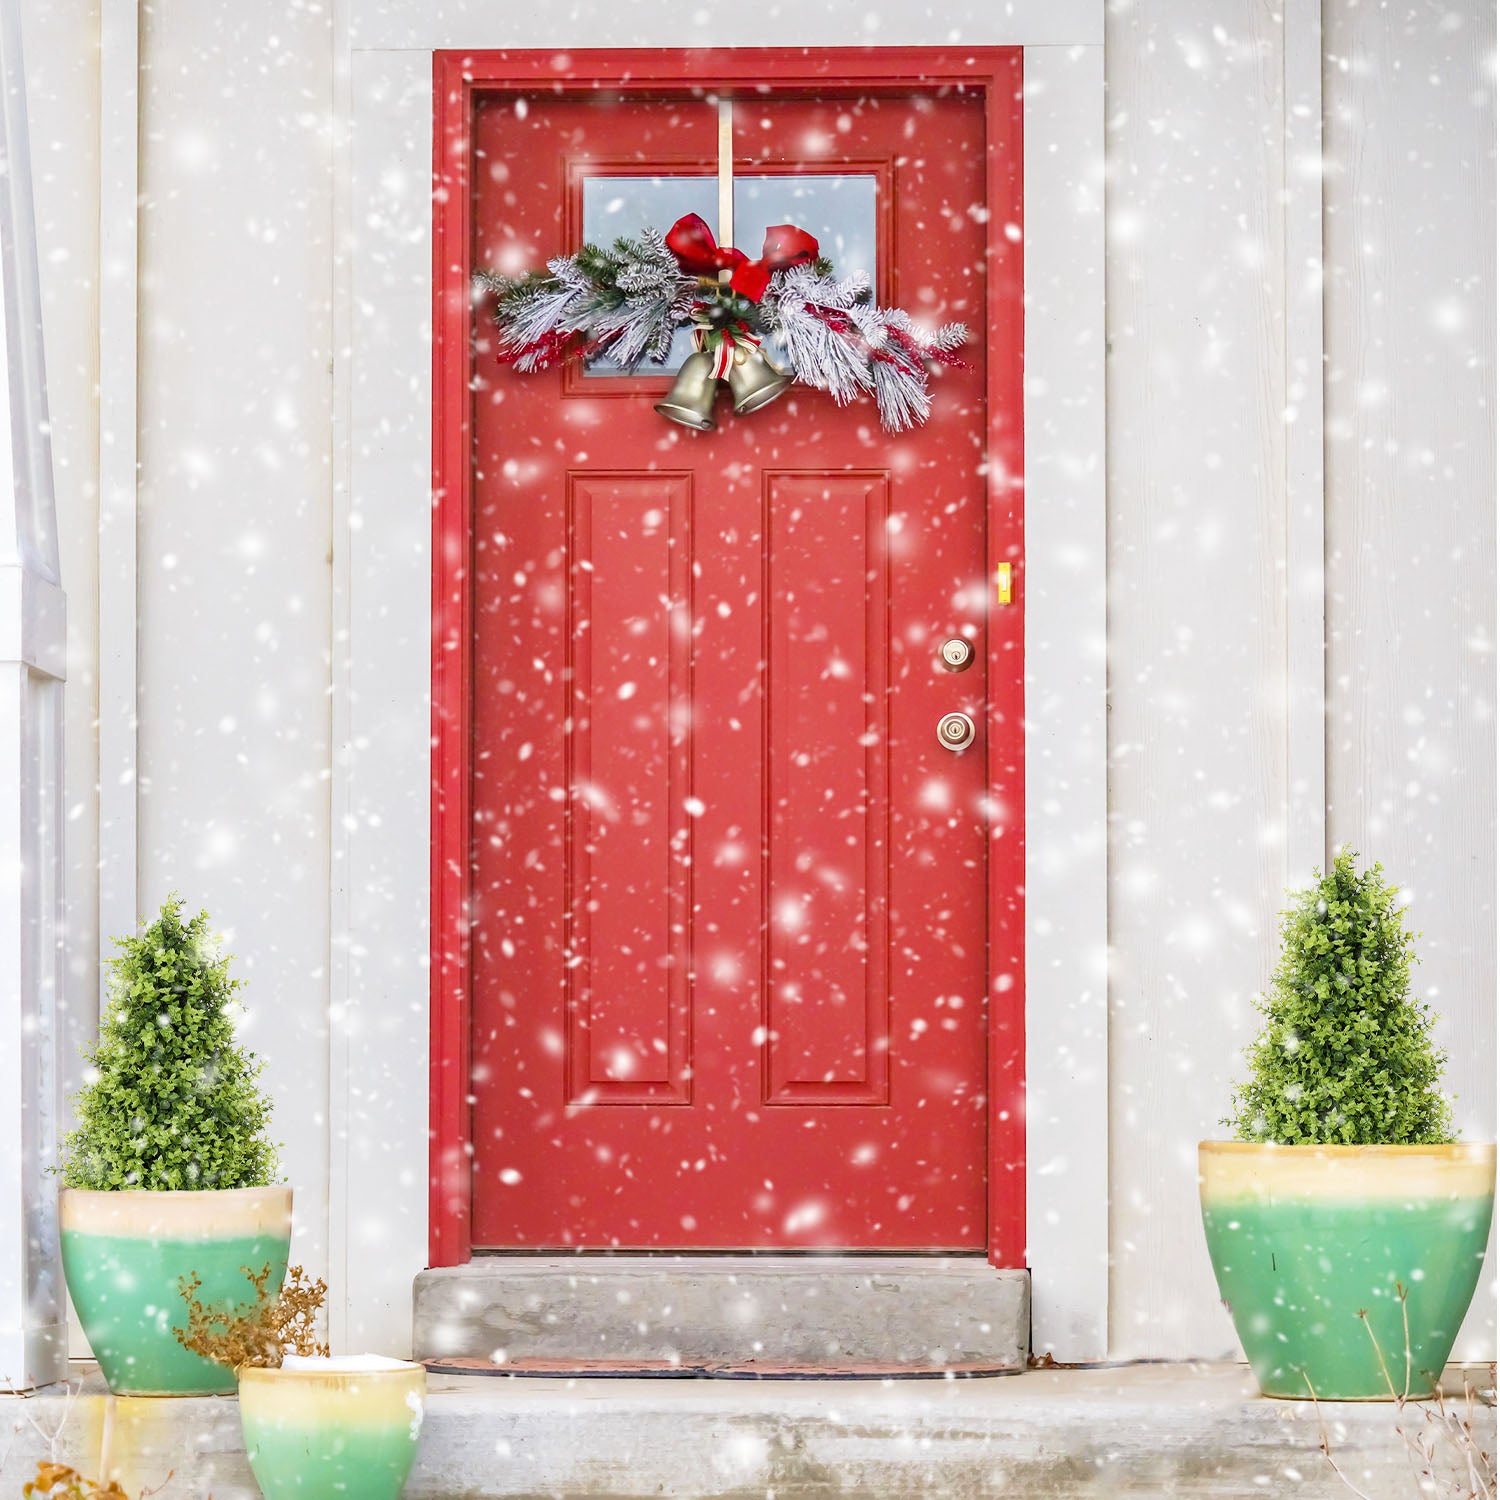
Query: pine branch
x=628 y=299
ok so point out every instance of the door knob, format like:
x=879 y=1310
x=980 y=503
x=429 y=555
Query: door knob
x=955 y=731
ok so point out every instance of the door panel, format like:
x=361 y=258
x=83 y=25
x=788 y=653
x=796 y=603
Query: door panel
x=728 y=946
x=826 y=840
x=626 y=901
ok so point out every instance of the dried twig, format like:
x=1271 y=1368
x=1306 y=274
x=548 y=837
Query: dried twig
x=1326 y=1446
x=62 y=1482
x=1444 y=1432
x=56 y=1479
x=264 y=1330
x=52 y=1439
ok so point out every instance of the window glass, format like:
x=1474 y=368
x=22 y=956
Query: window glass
x=613 y=206
x=838 y=211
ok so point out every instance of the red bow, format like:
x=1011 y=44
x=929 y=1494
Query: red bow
x=692 y=242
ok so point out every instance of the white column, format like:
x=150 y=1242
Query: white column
x=33 y=1332
x=1067 y=804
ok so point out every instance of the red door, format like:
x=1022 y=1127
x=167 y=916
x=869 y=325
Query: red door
x=729 y=890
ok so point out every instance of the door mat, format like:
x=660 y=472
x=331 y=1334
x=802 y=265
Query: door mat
x=666 y=1369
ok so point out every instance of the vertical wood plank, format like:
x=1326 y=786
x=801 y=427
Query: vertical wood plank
x=64 y=61
x=1411 y=504
x=1197 y=554
x=341 y=1083
x=33 y=652
x=119 y=166
x=1302 y=251
x=234 y=522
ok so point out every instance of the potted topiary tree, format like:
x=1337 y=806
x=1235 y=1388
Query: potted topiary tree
x=169 y=1171
x=1345 y=1224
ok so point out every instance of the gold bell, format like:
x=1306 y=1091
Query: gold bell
x=691 y=399
x=754 y=381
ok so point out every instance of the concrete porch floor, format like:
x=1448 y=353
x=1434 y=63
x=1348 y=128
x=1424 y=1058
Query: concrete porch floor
x=1138 y=1430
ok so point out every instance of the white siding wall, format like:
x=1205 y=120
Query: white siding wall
x=237 y=266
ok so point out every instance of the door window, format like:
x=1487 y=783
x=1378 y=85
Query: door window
x=837 y=210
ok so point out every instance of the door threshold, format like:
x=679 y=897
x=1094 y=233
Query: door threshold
x=651 y=1252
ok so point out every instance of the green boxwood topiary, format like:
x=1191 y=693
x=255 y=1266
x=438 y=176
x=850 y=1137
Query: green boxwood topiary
x=1345 y=1055
x=175 y=1103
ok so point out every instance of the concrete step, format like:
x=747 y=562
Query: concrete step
x=1154 y=1430
x=810 y=1312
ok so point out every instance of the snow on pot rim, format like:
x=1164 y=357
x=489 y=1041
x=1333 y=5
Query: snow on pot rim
x=344 y=1364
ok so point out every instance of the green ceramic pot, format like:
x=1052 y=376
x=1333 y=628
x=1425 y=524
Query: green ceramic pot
x=125 y=1253
x=332 y=1429
x=1306 y=1238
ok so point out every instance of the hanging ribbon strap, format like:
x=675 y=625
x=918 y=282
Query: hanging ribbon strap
x=721 y=343
x=692 y=242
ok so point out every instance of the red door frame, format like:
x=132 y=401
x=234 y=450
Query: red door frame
x=457 y=78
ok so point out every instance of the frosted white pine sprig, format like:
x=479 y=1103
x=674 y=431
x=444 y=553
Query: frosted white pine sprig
x=949 y=338
x=901 y=396
x=809 y=341
x=835 y=338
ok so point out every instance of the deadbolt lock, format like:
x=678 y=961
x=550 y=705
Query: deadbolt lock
x=956 y=653
x=955 y=731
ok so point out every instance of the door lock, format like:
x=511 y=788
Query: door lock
x=956 y=653
x=955 y=731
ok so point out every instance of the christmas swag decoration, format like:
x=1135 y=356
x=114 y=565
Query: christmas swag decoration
x=628 y=301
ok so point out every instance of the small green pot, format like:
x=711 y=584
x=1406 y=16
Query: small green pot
x=124 y=1254
x=1306 y=1239
x=332 y=1429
